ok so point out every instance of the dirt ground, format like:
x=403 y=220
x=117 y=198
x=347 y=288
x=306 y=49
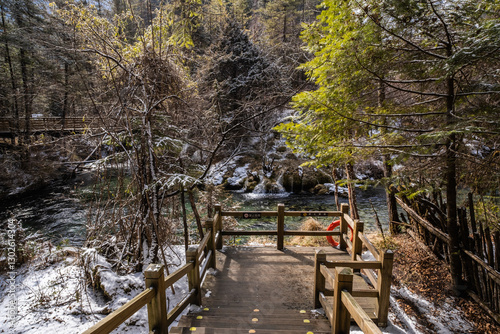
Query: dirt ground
x=429 y=277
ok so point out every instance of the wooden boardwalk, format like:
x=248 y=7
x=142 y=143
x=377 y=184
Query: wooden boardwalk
x=264 y=290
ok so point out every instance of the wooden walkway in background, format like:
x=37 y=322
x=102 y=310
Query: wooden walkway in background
x=264 y=290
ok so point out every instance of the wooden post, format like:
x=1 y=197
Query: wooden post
x=357 y=243
x=384 y=287
x=194 y=275
x=344 y=208
x=157 y=307
x=319 y=279
x=210 y=228
x=281 y=225
x=218 y=224
x=341 y=323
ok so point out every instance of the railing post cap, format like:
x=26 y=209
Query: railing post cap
x=344 y=274
x=191 y=249
x=389 y=254
x=153 y=271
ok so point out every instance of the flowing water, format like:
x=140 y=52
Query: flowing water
x=310 y=202
x=54 y=212
x=58 y=214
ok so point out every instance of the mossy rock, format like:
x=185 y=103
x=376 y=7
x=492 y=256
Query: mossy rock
x=320 y=189
x=292 y=182
x=250 y=186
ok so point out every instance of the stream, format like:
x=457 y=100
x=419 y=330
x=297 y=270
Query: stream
x=58 y=214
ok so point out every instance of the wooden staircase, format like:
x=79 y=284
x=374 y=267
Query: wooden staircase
x=248 y=319
x=258 y=290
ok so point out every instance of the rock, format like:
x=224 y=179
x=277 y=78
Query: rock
x=320 y=189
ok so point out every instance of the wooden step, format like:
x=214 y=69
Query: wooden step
x=213 y=330
x=272 y=323
x=226 y=310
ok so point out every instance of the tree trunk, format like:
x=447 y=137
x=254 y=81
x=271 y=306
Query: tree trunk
x=335 y=179
x=12 y=76
x=353 y=206
x=451 y=193
x=390 y=194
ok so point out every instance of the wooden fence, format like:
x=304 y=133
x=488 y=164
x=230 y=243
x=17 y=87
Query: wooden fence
x=479 y=251
x=44 y=124
x=341 y=280
x=199 y=259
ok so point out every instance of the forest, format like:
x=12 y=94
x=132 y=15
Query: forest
x=167 y=94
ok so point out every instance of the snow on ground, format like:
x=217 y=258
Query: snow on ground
x=52 y=296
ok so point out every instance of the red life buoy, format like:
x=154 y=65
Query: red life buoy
x=333 y=225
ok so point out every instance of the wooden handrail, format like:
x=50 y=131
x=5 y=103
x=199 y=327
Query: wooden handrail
x=358 y=314
x=174 y=313
x=116 y=318
x=354 y=264
x=154 y=296
x=369 y=245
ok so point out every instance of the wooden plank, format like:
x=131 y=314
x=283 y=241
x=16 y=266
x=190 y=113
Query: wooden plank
x=371 y=276
x=311 y=233
x=281 y=226
x=347 y=241
x=438 y=233
x=384 y=287
x=239 y=214
x=342 y=319
x=349 y=221
x=116 y=318
x=204 y=243
x=344 y=208
x=176 y=275
x=313 y=213
x=365 y=293
x=204 y=265
x=359 y=315
x=253 y=232
x=327 y=307
x=328 y=274
x=485 y=307
x=495 y=275
x=174 y=313
x=354 y=264
x=157 y=307
x=369 y=245
x=319 y=279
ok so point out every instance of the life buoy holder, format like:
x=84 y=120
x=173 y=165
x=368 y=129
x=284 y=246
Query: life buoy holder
x=333 y=225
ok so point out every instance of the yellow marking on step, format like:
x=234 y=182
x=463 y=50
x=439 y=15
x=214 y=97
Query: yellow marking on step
x=255 y=319
x=309 y=333
x=302 y=311
x=306 y=321
x=256 y=310
x=251 y=331
x=192 y=329
x=199 y=317
x=206 y=309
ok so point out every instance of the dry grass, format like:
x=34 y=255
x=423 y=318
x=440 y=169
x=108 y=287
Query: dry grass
x=310 y=224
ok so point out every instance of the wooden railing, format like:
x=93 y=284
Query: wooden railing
x=481 y=276
x=280 y=231
x=198 y=260
x=45 y=124
x=344 y=304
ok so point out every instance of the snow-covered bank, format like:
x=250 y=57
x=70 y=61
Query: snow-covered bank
x=52 y=294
